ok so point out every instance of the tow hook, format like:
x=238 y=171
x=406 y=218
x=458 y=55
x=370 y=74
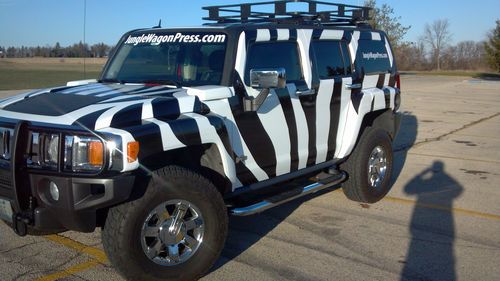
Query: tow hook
x=20 y=224
x=21 y=220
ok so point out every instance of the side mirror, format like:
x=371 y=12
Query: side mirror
x=269 y=78
x=264 y=79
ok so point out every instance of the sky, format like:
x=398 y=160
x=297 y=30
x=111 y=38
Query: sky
x=37 y=22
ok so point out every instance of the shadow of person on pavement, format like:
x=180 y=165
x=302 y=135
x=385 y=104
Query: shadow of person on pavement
x=431 y=254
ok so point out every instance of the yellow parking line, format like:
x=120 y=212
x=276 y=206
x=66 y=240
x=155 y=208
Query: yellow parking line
x=439 y=207
x=69 y=271
x=96 y=253
x=98 y=257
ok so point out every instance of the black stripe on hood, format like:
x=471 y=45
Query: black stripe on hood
x=88 y=121
x=129 y=116
x=51 y=104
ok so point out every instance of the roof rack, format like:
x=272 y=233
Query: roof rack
x=318 y=12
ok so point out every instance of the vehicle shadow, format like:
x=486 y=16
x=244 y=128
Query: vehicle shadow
x=244 y=232
x=488 y=76
x=430 y=255
x=404 y=141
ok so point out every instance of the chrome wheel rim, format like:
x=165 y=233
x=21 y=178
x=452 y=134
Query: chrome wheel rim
x=377 y=167
x=172 y=232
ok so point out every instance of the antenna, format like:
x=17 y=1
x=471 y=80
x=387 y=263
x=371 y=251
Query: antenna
x=159 y=25
x=84 y=47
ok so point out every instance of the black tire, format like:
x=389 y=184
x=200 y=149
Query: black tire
x=121 y=235
x=358 y=187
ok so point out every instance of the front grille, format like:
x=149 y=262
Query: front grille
x=5 y=143
x=6 y=189
x=6 y=139
x=6 y=181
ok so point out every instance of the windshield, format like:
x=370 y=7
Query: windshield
x=183 y=59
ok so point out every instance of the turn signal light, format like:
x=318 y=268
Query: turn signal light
x=398 y=81
x=132 y=151
x=96 y=153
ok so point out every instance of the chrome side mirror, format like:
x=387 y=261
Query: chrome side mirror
x=264 y=79
x=268 y=78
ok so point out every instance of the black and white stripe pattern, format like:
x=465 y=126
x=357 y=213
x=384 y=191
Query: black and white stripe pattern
x=286 y=134
x=321 y=120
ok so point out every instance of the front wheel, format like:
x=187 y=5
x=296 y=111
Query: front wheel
x=369 y=167
x=176 y=231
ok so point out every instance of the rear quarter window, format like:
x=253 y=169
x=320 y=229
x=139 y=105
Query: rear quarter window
x=372 y=57
x=331 y=59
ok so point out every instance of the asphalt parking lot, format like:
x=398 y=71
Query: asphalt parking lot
x=441 y=220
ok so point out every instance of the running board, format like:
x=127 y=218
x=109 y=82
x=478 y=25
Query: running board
x=288 y=196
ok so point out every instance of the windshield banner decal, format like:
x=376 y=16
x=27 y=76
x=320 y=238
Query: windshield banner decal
x=154 y=39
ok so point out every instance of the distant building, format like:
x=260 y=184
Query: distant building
x=1 y=54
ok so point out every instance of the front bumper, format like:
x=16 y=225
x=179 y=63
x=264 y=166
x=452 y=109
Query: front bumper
x=79 y=201
x=77 y=206
x=80 y=198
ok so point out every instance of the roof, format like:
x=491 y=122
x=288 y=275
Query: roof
x=249 y=16
x=287 y=11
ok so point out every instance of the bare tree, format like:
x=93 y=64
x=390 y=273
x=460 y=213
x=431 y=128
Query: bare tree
x=412 y=56
x=469 y=55
x=437 y=35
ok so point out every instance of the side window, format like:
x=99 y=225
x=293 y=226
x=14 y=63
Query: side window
x=373 y=57
x=274 y=55
x=332 y=60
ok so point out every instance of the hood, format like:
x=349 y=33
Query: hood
x=101 y=105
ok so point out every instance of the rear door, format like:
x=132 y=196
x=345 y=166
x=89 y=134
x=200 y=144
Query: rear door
x=332 y=68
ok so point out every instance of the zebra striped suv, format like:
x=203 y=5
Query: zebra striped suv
x=186 y=126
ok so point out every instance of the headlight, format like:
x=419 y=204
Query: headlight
x=83 y=154
x=44 y=151
x=52 y=149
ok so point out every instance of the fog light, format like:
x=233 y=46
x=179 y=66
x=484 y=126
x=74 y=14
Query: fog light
x=54 y=191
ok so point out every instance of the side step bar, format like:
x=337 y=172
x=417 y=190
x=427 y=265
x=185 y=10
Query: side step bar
x=288 y=196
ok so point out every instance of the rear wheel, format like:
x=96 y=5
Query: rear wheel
x=369 y=167
x=176 y=231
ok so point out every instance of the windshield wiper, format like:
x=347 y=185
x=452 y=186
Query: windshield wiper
x=111 y=81
x=162 y=82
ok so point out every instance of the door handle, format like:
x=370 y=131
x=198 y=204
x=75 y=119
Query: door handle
x=353 y=86
x=306 y=93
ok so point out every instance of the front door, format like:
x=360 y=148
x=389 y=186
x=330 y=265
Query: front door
x=275 y=139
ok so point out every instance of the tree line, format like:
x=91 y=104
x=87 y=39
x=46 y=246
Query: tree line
x=433 y=50
x=78 y=50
